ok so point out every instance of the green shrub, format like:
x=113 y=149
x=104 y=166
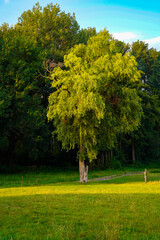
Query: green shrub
x=115 y=163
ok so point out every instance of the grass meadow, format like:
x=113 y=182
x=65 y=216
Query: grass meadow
x=55 y=207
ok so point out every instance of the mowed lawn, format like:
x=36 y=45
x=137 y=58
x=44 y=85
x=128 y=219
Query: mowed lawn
x=123 y=208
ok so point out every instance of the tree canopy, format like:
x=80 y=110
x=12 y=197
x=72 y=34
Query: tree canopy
x=101 y=88
x=54 y=30
x=93 y=99
x=21 y=111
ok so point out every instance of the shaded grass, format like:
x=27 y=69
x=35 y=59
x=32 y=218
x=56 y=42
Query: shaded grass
x=36 y=178
x=155 y=170
x=41 y=177
x=151 y=177
x=119 y=209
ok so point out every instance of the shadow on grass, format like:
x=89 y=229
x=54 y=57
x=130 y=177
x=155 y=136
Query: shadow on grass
x=50 y=180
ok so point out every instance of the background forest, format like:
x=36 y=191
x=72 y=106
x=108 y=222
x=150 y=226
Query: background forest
x=29 y=52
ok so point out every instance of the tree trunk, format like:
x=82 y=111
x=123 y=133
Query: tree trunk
x=83 y=171
x=83 y=168
x=120 y=145
x=11 y=151
x=111 y=151
x=108 y=159
x=102 y=158
x=133 y=152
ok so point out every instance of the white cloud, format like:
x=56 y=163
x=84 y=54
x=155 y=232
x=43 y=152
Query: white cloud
x=130 y=37
x=154 y=43
x=126 y=36
x=153 y=40
x=6 y=1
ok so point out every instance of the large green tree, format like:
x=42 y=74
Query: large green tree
x=41 y=37
x=143 y=144
x=93 y=99
x=22 y=115
x=146 y=139
x=54 y=30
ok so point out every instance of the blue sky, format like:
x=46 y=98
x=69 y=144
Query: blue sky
x=126 y=20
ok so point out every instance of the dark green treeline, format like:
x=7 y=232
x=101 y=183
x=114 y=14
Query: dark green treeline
x=29 y=51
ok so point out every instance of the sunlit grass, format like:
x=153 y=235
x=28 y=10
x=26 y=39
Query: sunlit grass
x=76 y=188
x=119 y=209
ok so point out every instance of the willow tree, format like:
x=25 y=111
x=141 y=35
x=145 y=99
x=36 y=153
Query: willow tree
x=93 y=98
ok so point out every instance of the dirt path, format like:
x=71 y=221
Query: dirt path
x=115 y=176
